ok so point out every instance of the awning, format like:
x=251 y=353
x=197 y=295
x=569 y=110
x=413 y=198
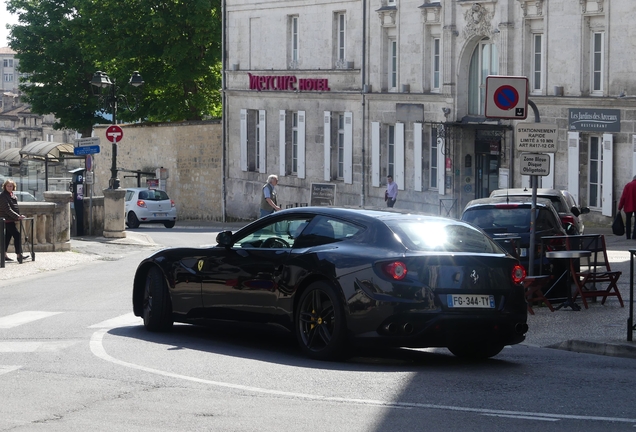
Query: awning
x=10 y=156
x=48 y=150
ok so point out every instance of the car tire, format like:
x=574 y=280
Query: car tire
x=169 y=224
x=476 y=351
x=132 y=220
x=320 y=324
x=157 y=312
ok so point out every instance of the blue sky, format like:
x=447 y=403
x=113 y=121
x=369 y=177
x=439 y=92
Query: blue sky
x=7 y=18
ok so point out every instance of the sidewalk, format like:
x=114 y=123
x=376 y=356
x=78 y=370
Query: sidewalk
x=601 y=329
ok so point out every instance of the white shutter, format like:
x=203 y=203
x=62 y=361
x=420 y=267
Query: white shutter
x=608 y=175
x=348 y=148
x=327 y=146
x=301 y=144
x=633 y=156
x=399 y=155
x=573 y=165
x=417 y=156
x=243 y=139
x=525 y=181
x=548 y=181
x=441 y=166
x=281 y=143
x=262 y=145
x=375 y=154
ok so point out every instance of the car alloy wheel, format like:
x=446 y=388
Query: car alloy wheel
x=157 y=308
x=320 y=323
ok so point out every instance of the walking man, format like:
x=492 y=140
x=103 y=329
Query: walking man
x=391 y=191
x=269 y=202
x=628 y=204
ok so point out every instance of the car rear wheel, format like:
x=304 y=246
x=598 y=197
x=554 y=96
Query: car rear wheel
x=132 y=220
x=157 y=307
x=476 y=351
x=320 y=323
x=169 y=224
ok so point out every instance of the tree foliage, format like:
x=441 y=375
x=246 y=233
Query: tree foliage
x=174 y=44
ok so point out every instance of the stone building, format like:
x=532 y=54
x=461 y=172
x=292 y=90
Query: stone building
x=345 y=93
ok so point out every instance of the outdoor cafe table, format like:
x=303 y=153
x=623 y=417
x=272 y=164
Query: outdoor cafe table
x=568 y=255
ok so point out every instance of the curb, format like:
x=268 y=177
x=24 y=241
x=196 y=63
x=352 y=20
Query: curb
x=599 y=348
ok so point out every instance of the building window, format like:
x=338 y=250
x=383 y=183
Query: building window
x=294 y=144
x=484 y=62
x=293 y=41
x=597 y=62
x=595 y=174
x=8 y=77
x=341 y=37
x=7 y=62
x=433 y=159
x=392 y=64
x=537 y=62
x=390 y=144
x=391 y=2
x=435 y=63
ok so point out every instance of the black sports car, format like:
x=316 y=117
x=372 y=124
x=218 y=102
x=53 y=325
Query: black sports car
x=339 y=277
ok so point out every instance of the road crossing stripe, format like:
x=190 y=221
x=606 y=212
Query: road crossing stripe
x=33 y=346
x=121 y=321
x=25 y=317
x=7 y=369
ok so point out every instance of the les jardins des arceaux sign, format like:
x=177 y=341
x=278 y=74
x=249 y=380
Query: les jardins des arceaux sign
x=594 y=120
x=287 y=83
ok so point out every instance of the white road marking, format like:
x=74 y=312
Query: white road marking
x=120 y=321
x=7 y=369
x=523 y=417
x=97 y=348
x=25 y=317
x=34 y=346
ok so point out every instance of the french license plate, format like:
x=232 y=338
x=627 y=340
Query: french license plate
x=471 y=301
x=160 y=214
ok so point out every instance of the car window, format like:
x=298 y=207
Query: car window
x=129 y=195
x=324 y=230
x=442 y=236
x=155 y=195
x=280 y=234
x=513 y=219
x=545 y=220
x=556 y=202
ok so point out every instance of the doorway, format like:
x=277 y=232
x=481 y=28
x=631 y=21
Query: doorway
x=487 y=174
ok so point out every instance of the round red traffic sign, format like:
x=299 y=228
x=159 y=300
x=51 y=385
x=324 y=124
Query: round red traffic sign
x=506 y=97
x=114 y=133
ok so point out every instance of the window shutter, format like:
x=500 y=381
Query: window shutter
x=301 y=144
x=348 y=148
x=548 y=181
x=375 y=154
x=327 y=146
x=281 y=143
x=399 y=155
x=608 y=174
x=417 y=156
x=573 y=165
x=262 y=151
x=243 y=139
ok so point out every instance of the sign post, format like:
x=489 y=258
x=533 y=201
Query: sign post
x=114 y=134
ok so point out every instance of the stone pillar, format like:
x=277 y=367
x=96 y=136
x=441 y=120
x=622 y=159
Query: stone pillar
x=60 y=234
x=114 y=217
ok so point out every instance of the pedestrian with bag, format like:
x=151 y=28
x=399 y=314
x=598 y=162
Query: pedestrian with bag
x=10 y=211
x=627 y=203
x=269 y=201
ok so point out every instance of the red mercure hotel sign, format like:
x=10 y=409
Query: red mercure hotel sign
x=287 y=82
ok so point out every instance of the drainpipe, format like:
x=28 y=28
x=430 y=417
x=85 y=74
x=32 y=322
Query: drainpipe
x=224 y=112
x=364 y=100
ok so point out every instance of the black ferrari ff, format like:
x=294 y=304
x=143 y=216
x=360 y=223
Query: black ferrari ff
x=340 y=278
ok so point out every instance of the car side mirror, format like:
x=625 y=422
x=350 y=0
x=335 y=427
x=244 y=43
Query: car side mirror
x=585 y=210
x=575 y=211
x=224 y=238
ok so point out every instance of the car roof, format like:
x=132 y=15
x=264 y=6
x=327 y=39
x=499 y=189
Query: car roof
x=142 y=189
x=521 y=200
x=526 y=191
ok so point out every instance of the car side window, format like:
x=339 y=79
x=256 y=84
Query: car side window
x=325 y=230
x=280 y=234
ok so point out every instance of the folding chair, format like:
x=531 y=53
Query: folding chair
x=594 y=270
x=534 y=286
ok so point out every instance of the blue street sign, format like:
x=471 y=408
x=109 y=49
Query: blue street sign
x=86 y=150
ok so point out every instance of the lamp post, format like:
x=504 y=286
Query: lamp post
x=112 y=98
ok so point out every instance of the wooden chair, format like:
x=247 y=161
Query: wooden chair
x=534 y=286
x=592 y=273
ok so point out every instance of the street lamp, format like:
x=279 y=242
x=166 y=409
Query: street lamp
x=112 y=98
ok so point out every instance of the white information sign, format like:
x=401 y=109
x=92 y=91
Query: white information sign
x=87 y=142
x=534 y=164
x=536 y=137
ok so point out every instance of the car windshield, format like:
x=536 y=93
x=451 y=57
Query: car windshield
x=442 y=236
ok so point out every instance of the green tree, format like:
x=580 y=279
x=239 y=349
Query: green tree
x=175 y=45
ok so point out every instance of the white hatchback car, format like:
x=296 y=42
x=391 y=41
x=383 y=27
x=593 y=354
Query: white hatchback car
x=143 y=205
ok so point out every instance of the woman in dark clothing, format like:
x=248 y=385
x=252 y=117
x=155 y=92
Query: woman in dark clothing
x=10 y=211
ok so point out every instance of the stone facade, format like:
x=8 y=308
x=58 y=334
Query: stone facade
x=316 y=96
x=191 y=152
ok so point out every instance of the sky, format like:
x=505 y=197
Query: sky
x=5 y=18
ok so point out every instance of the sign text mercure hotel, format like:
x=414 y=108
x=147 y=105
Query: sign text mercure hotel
x=594 y=120
x=287 y=82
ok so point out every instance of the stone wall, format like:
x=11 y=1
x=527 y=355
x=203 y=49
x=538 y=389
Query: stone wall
x=190 y=151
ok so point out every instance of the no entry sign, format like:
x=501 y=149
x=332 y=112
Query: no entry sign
x=506 y=97
x=114 y=133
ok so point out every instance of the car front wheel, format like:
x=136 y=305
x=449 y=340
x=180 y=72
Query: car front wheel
x=320 y=323
x=169 y=224
x=157 y=307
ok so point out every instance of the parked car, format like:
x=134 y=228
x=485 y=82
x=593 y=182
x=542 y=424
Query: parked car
x=339 y=277
x=563 y=201
x=24 y=196
x=144 y=205
x=510 y=216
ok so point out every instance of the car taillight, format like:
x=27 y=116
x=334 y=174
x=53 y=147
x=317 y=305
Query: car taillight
x=518 y=273
x=397 y=270
x=506 y=206
x=141 y=203
x=171 y=203
x=567 y=220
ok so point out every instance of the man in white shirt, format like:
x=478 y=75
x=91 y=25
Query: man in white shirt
x=391 y=191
